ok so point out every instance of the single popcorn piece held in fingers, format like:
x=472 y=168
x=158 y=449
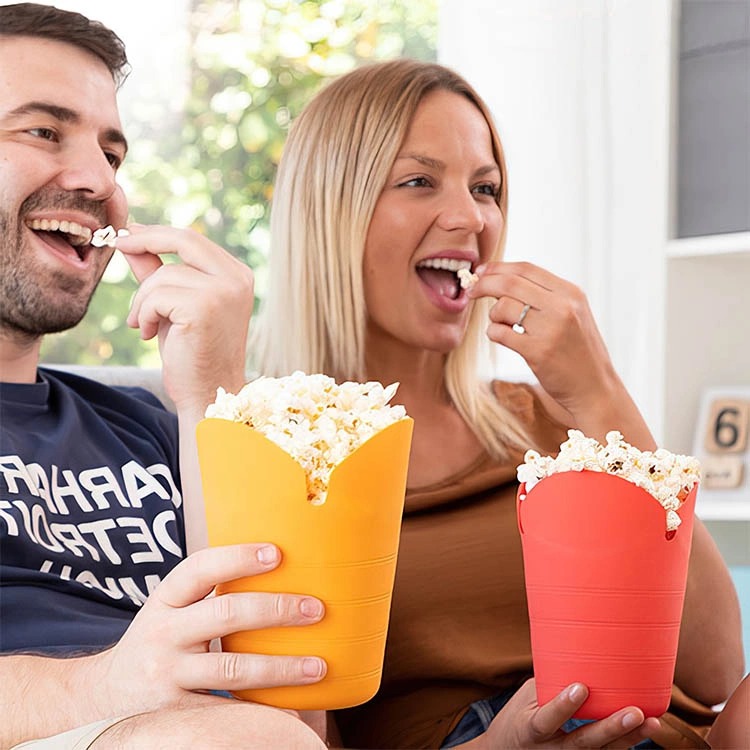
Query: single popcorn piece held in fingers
x=106 y=236
x=666 y=476
x=466 y=278
x=315 y=420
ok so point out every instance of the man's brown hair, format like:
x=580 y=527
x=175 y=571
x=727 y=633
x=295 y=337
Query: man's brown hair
x=48 y=22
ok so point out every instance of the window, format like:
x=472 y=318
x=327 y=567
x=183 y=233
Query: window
x=214 y=86
x=713 y=151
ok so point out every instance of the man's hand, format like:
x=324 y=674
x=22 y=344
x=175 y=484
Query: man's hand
x=199 y=307
x=163 y=661
x=165 y=656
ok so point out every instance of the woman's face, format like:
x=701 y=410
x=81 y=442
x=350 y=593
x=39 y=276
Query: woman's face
x=437 y=213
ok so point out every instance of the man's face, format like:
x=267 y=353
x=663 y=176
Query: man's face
x=60 y=146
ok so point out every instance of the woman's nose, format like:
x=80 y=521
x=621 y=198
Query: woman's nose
x=459 y=210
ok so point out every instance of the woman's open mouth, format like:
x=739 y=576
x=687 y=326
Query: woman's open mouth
x=442 y=275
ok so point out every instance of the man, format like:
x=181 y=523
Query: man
x=97 y=505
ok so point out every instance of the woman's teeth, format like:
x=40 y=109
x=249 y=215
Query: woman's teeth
x=445 y=264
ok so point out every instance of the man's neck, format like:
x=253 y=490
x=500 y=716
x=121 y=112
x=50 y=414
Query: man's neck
x=18 y=358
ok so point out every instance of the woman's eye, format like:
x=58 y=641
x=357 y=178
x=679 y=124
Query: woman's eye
x=416 y=182
x=487 y=189
x=45 y=133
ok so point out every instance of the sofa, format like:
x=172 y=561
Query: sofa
x=149 y=378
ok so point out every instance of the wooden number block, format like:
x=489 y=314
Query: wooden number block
x=721 y=472
x=727 y=425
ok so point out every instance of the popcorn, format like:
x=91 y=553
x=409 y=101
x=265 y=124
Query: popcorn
x=107 y=236
x=314 y=419
x=666 y=476
x=466 y=278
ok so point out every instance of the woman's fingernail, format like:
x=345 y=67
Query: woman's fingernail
x=267 y=554
x=312 y=667
x=630 y=721
x=311 y=607
x=479 y=270
x=575 y=693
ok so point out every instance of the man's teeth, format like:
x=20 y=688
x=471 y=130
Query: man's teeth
x=445 y=264
x=77 y=234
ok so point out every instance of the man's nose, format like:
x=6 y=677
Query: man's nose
x=87 y=169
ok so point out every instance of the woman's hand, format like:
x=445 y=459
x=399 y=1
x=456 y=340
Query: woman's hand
x=164 y=657
x=522 y=723
x=561 y=343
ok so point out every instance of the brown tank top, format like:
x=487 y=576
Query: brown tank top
x=459 y=626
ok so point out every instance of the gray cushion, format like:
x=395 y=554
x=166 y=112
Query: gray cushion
x=144 y=377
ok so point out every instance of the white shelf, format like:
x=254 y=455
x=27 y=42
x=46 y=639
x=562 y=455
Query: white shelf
x=736 y=243
x=722 y=510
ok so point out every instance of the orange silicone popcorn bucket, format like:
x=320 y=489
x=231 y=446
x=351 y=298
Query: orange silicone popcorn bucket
x=605 y=585
x=343 y=551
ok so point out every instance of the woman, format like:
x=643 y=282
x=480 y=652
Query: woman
x=392 y=180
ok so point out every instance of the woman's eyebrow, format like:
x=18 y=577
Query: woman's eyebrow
x=65 y=114
x=428 y=161
x=487 y=169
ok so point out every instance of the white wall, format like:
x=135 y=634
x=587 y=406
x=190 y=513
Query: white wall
x=581 y=93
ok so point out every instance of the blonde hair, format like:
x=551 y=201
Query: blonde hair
x=336 y=160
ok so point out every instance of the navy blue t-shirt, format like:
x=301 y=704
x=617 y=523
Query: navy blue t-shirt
x=91 y=514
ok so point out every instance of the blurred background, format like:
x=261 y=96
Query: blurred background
x=213 y=87
x=626 y=125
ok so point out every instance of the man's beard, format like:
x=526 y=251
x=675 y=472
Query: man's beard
x=35 y=300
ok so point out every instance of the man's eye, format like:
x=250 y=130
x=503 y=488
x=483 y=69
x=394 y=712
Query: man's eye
x=115 y=160
x=46 y=133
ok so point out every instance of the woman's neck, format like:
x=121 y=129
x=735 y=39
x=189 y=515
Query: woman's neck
x=420 y=374
x=442 y=442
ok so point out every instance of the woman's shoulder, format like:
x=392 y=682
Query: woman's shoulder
x=524 y=402
x=522 y=399
x=512 y=393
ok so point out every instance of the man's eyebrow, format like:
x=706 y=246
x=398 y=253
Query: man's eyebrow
x=54 y=110
x=65 y=114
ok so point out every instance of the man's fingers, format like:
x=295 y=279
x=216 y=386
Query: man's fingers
x=143 y=265
x=191 y=247
x=218 y=616
x=197 y=575
x=174 y=286
x=234 y=671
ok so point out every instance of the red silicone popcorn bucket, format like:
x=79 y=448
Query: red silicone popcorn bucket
x=605 y=586
x=343 y=551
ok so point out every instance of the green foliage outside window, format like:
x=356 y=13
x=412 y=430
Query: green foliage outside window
x=253 y=65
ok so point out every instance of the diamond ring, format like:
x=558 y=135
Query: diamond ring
x=518 y=325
